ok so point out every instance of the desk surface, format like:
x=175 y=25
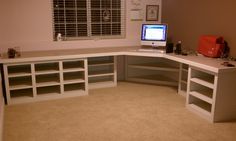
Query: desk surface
x=206 y=63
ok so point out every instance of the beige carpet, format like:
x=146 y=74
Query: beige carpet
x=129 y=112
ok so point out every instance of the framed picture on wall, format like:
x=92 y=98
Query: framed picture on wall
x=152 y=12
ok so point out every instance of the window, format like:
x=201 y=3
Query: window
x=87 y=19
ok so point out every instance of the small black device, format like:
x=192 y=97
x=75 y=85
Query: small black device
x=169 y=47
x=178 y=48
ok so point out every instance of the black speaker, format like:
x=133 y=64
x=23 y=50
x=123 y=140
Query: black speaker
x=169 y=47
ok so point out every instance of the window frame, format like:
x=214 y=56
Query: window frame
x=89 y=23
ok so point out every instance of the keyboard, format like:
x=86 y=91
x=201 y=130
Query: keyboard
x=151 y=50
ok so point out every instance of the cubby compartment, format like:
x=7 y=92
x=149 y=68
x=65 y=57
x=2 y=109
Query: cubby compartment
x=48 y=90
x=203 y=78
x=152 y=70
x=109 y=78
x=98 y=82
x=70 y=65
x=21 y=93
x=19 y=70
x=102 y=72
x=201 y=92
x=101 y=61
x=47 y=80
x=47 y=67
x=200 y=106
x=20 y=82
x=75 y=87
x=73 y=77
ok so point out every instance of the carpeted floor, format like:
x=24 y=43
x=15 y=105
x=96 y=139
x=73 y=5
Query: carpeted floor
x=128 y=112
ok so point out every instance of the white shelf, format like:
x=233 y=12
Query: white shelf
x=74 y=87
x=202 y=109
x=154 y=66
x=100 y=73
x=150 y=70
x=154 y=79
x=19 y=74
x=45 y=80
x=20 y=86
x=19 y=70
x=73 y=81
x=72 y=76
x=201 y=96
x=22 y=93
x=73 y=69
x=96 y=85
x=21 y=99
x=203 y=82
x=73 y=64
x=42 y=72
x=45 y=84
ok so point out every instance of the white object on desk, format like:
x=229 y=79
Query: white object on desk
x=151 y=50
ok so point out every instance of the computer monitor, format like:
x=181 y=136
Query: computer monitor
x=154 y=35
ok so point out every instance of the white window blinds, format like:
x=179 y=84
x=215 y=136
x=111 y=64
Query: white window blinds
x=85 y=19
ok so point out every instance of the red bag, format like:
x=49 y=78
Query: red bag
x=211 y=46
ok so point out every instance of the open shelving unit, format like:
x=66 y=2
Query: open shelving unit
x=201 y=93
x=102 y=72
x=37 y=81
x=152 y=70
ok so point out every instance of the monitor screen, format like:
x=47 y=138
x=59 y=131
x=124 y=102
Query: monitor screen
x=154 y=35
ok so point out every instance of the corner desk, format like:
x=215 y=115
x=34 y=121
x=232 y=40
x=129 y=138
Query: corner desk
x=209 y=87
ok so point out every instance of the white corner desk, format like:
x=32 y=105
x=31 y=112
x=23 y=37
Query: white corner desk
x=209 y=86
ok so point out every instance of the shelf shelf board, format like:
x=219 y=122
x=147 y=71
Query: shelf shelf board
x=153 y=66
x=203 y=82
x=45 y=84
x=74 y=93
x=201 y=109
x=100 y=73
x=46 y=72
x=154 y=79
x=73 y=69
x=201 y=96
x=74 y=81
x=22 y=99
x=47 y=94
x=20 y=86
x=19 y=74
x=102 y=84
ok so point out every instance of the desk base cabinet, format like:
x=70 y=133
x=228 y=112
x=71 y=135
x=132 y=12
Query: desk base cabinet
x=35 y=81
x=152 y=70
x=102 y=72
x=211 y=95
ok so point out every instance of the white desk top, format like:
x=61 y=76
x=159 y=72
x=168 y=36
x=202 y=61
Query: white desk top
x=210 y=64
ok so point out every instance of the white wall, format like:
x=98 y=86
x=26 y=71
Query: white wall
x=28 y=24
